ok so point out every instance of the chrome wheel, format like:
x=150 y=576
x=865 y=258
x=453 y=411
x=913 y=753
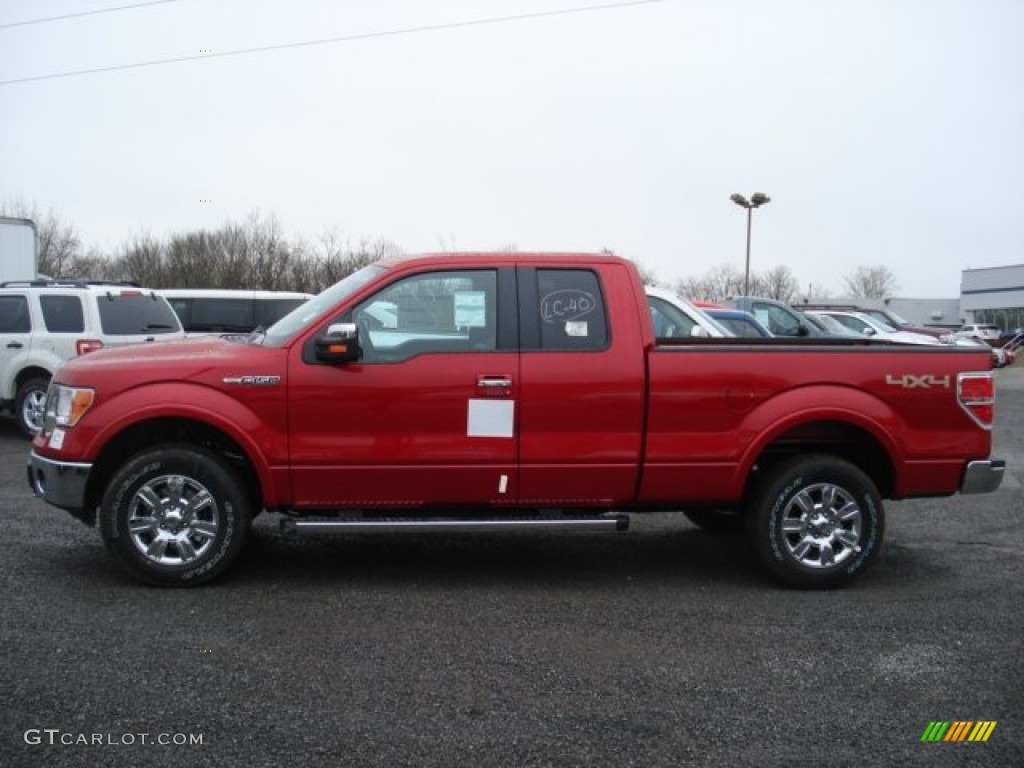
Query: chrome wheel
x=816 y=521
x=30 y=405
x=173 y=520
x=821 y=526
x=33 y=408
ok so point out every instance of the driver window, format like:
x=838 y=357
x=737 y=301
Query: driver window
x=427 y=314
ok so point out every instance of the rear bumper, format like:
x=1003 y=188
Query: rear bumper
x=983 y=476
x=61 y=483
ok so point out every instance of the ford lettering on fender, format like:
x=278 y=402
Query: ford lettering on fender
x=494 y=392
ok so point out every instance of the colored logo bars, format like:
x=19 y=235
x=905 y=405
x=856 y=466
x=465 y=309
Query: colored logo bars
x=958 y=730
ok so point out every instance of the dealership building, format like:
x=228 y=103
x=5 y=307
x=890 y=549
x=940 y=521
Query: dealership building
x=993 y=295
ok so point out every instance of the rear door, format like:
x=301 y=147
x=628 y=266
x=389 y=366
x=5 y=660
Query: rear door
x=582 y=386
x=427 y=417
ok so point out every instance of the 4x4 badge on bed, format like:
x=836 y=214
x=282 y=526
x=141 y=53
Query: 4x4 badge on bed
x=260 y=381
x=910 y=381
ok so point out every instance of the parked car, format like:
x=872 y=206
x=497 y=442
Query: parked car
x=985 y=331
x=886 y=316
x=890 y=318
x=675 y=317
x=868 y=326
x=46 y=322
x=738 y=322
x=778 y=317
x=829 y=326
x=1010 y=334
x=203 y=310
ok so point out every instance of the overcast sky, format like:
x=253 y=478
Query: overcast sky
x=885 y=131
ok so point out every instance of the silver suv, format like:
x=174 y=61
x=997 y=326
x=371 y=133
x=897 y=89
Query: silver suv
x=984 y=331
x=45 y=322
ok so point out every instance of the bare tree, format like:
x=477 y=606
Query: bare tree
x=723 y=281
x=692 y=288
x=778 y=283
x=876 y=282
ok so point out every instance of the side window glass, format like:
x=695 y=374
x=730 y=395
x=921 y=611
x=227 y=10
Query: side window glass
x=430 y=313
x=14 y=316
x=778 y=321
x=572 y=311
x=669 y=321
x=62 y=314
x=221 y=315
x=852 y=323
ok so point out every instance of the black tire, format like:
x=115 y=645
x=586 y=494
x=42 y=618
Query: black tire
x=29 y=403
x=175 y=516
x=816 y=522
x=721 y=522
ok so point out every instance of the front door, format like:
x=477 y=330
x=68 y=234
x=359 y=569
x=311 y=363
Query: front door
x=427 y=416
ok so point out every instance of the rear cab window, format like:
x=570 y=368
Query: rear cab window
x=571 y=310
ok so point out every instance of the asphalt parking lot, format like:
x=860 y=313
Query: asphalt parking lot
x=663 y=646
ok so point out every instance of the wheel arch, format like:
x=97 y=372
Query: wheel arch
x=838 y=421
x=175 y=431
x=31 y=372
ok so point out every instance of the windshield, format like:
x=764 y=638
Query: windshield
x=830 y=324
x=300 y=317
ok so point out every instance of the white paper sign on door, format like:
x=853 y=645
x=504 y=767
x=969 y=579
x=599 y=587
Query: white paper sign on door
x=490 y=418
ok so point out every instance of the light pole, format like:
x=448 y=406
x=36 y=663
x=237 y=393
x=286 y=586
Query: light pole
x=756 y=201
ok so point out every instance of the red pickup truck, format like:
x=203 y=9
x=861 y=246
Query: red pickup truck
x=459 y=392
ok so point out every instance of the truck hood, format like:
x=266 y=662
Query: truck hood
x=201 y=360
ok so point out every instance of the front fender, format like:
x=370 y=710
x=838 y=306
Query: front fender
x=262 y=436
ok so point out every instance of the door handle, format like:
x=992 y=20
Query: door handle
x=494 y=382
x=15 y=345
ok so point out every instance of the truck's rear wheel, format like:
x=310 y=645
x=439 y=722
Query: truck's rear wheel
x=175 y=516
x=816 y=522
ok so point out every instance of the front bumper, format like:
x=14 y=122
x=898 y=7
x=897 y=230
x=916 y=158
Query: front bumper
x=983 y=476
x=62 y=484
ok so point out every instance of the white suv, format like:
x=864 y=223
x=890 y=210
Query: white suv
x=984 y=331
x=45 y=322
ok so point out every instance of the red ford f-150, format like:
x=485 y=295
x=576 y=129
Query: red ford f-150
x=475 y=392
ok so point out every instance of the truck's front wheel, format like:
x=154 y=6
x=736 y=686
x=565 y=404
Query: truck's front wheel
x=816 y=522
x=175 y=516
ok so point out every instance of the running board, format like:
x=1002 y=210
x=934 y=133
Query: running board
x=450 y=525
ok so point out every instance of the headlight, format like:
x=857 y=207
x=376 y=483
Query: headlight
x=65 y=406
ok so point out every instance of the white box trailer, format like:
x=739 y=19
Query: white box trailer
x=19 y=254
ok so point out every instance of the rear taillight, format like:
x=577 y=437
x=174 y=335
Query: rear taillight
x=83 y=346
x=976 y=394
